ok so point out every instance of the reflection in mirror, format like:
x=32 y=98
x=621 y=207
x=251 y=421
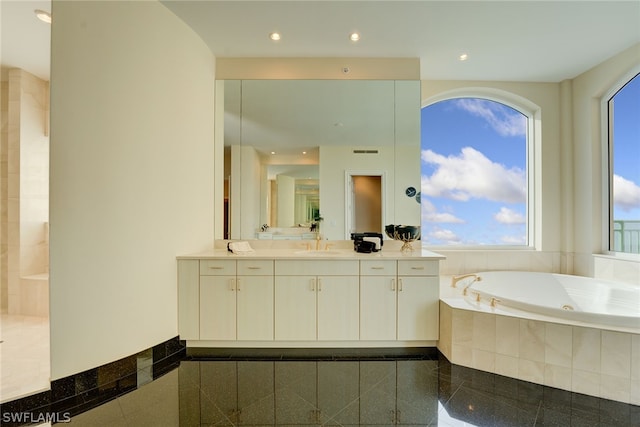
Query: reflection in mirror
x=275 y=129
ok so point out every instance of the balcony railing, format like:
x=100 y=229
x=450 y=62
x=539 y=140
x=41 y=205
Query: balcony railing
x=626 y=236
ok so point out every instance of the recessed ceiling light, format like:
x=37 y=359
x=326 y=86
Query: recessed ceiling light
x=274 y=36
x=304 y=152
x=43 y=15
x=463 y=57
x=354 y=37
x=273 y=152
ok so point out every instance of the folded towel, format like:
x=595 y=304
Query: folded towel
x=240 y=247
x=374 y=240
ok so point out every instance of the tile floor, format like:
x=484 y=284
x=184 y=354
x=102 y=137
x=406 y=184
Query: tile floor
x=24 y=355
x=346 y=392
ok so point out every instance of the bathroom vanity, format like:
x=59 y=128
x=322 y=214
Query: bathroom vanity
x=307 y=298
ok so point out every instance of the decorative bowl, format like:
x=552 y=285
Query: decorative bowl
x=403 y=233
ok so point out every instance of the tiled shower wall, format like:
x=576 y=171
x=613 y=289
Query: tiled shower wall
x=25 y=184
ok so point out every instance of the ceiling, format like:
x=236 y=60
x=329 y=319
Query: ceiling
x=538 y=41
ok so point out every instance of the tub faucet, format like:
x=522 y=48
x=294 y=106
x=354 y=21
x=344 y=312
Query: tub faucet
x=456 y=279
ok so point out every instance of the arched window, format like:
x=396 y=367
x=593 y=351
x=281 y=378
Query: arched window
x=475 y=173
x=623 y=113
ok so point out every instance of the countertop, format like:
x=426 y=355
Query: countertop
x=303 y=254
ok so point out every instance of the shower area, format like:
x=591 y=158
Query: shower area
x=24 y=233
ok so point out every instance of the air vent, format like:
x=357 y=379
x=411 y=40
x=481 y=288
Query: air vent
x=365 y=151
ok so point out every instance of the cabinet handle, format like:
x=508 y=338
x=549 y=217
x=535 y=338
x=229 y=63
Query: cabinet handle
x=232 y=283
x=319 y=285
x=400 y=285
x=216 y=267
x=254 y=268
x=393 y=284
x=377 y=268
x=313 y=284
x=238 y=284
x=417 y=268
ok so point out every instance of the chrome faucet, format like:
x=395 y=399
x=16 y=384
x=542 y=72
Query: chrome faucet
x=456 y=279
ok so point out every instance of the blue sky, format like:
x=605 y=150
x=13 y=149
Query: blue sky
x=473 y=173
x=473 y=162
x=626 y=159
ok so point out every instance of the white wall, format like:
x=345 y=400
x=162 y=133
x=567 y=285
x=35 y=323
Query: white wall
x=131 y=175
x=334 y=161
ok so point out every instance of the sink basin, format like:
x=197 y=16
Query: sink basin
x=318 y=253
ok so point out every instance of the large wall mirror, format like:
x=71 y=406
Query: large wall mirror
x=345 y=150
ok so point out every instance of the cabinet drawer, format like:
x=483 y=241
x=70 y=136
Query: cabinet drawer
x=378 y=268
x=417 y=268
x=317 y=268
x=255 y=268
x=217 y=267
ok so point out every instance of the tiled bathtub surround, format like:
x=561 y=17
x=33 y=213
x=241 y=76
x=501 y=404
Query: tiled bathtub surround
x=585 y=360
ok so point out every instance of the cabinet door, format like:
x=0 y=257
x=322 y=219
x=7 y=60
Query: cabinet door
x=418 y=308
x=378 y=308
x=254 y=307
x=338 y=302
x=217 y=308
x=295 y=308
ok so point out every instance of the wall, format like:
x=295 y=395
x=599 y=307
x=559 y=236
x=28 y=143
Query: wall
x=25 y=192
x=589 y=175
x=334 y=161
x=4 y=188
x=131 y=176
x=569 y=174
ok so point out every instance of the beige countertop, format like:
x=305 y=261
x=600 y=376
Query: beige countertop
x=267 y=251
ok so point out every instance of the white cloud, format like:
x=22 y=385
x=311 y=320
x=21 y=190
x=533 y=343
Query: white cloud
x=514 y=240
x=509 y=216
x=472 y=175
x=447 y=237
x=431 y=214
x=503 y=119
x=626 y=193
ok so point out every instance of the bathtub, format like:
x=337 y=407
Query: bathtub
x=574 y=298
x=568 y=332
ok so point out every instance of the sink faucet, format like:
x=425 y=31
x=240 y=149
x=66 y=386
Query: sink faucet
x=317 y=241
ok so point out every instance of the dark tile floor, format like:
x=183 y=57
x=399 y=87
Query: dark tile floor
x=347 y=389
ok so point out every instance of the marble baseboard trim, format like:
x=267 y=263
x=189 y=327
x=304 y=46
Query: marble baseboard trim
x=78 y=393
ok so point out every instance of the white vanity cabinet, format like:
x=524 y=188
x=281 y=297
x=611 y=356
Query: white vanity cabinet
x=236 y=300
x=340 y=299
x=316 y=300
x=399 y=300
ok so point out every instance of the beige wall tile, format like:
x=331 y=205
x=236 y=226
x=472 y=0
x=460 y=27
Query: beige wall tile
x=461 y=355
x=634 y=397
x=462 y=327
x=507 y=336
x=615 y=388
x=558 y=345
x=506 y=365
x=615 y=357
x=635 y=357
x=532 y=340
x=586 y=349
x=557 y=376
x=585 y=382
x=529 y=370
x=484 y=331
x=483 y=360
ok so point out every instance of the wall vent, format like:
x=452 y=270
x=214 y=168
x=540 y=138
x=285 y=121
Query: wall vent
x=365 y=151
